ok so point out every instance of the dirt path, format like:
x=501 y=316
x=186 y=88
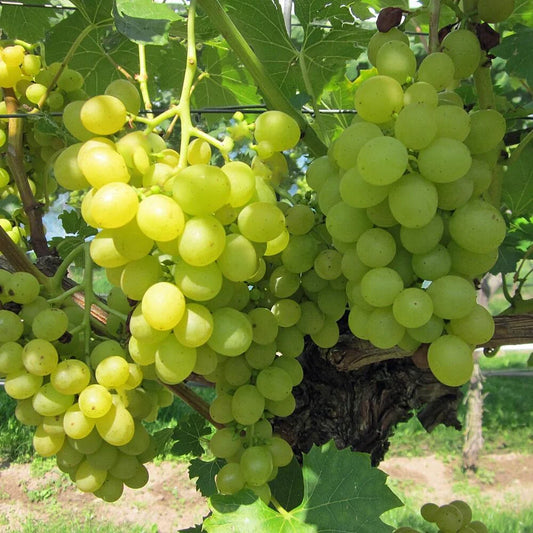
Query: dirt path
x=170 y=502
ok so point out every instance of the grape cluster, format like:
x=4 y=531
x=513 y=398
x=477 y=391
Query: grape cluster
x=454 y=517
x=402 y=191
x=87 y=413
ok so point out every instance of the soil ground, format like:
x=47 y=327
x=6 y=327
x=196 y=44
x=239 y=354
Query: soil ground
x=170 y=502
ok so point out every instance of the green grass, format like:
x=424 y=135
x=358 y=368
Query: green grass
x=88 y=524
x=507 y=417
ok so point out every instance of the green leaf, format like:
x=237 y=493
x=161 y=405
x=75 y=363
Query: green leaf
x=71 y=221
x=98 y=55
x=188 y=435
x=288 y=486
x=94 y=10
x=10 y=205
x=205 y=471
x=65 y=245
x=342 y=492
x=26 y=23
x=244 y=511
x=162 y=438
x=517 y=193
x=143 y=21
x=512 y=48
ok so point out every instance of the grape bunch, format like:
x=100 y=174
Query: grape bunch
x=454 y=517
x=402 y=190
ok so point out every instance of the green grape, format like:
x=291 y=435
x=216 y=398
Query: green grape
x=70 y=80
x=47 y=401
x=264 y=325
x=138 y=276
x=35 y=92
x=429 y=332
x=124 y=466
x=260 y=356
x=413 y=201
x=112 y=372
x=346 y=147
x=495 y=10
x=300 y=219
x=464 y=50
x=160 y=218
x=199 y=152
x=327 y=264
x=283 y=408
x=139 y=478
x=50 y=324
x=455 y=194
x=452 y=122
x=278 y=129
x=238 y=261
x=173 y=361
x=487 y=128
x=378 y=98
x=453 y=296
x=347 y=223
x=286 y=311
x=465 y=510
x=332 y=302
x=223 y=297
x=206 y=360
x=261 y=221
x=477 y=226
x=39 y=356
x=163 y=305
x=448 y=518
x=300 y=253
x=416 y=126
x=11 y=326
x=11 y=356
x=397 y=60
x=274 y=383
x=412 y=308
x=105 y=349
x=198 y=283
x=201 y=189
x=351 y=265
x=422 y=239
x=101 y=165
x=383 y=329
x=329 y=193
x=67 y=171
x=103 y=114
x=357 y=192
x=45 y=444
x=202 y=241
x=127 y=93
x=444 y=160
x=478 y=527
x=110 y=490
x=256 y=465
x=312 y=283
x=195 y=327
x=22 y=288
x=469 y=263
x=88 y=444
x=382 y=160
x=376 y=247
x=328 y=335
x=114 y=205
x=380 y=38
x=26 y=414
x=312 y=318
x=229 y=479
x=421 y=92
x=134 y=147
x=232 y=332
x=477 y=327
x=276 y=245
x=290 y=341
x=237 y=372
x=481 y=175
x=95 y=401
x=358 y=322
x=318 y=172
x=220 y=408
x=437 y=69
x=242 y=182
x=380 y=286
x=428 y=511
x=117 y=426
x=402 y=263
x=20 y=384
x=31 y=64
x=225 y=443
x=247 y=405
x=291 y=366
x=130 y=242
x=75 y=424
x=433 y=264
x=88 y=478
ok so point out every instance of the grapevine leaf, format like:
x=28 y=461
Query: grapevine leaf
x=512 y=48
x=343 y=492
x=27 y=23
x=94 y=10
x=71 y=221
x=189 y=434
x=194 y=529
x=244 y=511
x=288 y=486
x=143 y=21
x=205 y=471
x=65 y=245
x=10 y=205
x=517 y=192
x=98 y=55
x=162 y=438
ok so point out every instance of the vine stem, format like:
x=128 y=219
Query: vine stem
x=434 y=16
x=15 y=159
x=142 y=78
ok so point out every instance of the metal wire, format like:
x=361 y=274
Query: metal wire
x=23 y=4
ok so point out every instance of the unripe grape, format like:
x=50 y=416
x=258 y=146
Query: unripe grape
x=380 y=38
x=278 y=129
x=127 y=93
x=397 y=60
x=103 y=114
x=463 y=48
x=495 y=10
x=437 y=69
x=378 y=98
